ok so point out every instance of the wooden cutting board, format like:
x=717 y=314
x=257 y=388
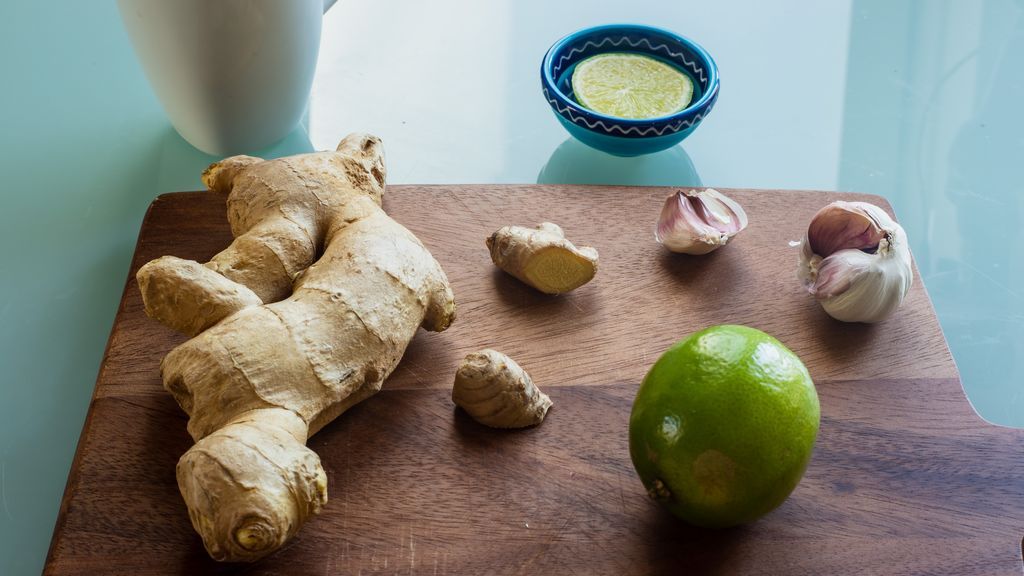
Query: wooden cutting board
x=905 y=477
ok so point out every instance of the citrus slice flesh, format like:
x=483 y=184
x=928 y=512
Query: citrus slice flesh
x=630 y=86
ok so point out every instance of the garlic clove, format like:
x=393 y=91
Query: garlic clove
x=842 y=225
x=838 y=272
x=856 y=286
x=697 y=222
x=855 y=260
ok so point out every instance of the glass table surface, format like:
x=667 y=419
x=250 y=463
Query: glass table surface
x=913 y=100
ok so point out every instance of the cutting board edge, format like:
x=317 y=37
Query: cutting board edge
x=867 y=196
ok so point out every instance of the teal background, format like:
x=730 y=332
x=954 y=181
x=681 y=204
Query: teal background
x=917 y=101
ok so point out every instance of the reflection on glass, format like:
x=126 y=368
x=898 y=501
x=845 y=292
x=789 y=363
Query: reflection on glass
x=180 y=164
x=576 y=163
x=932 y=122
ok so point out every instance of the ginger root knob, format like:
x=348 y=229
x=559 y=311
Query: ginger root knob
x=497 y=392
x=542 y=257
x=304 y=314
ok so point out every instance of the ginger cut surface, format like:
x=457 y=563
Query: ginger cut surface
x=305 y=314
x=542 y=257
x=497 y=392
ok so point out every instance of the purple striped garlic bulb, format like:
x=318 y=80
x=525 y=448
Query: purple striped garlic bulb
x=855 y=260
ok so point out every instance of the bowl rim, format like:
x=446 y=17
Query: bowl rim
x=709 y=95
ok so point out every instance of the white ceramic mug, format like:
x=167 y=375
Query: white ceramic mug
x=232 y=75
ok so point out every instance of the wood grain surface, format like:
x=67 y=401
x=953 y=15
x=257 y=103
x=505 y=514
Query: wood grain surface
x=905 y=478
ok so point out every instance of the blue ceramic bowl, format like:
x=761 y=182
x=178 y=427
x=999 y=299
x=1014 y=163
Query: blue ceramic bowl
x=622 y=136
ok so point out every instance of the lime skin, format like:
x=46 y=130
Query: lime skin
x=723 y=426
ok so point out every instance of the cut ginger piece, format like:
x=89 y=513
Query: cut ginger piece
x=542 y=257
x=497 y=392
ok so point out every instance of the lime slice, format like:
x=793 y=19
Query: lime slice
x=630 y=86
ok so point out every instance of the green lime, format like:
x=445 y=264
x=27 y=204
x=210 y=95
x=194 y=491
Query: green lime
x=723 y=426
x=630 y=86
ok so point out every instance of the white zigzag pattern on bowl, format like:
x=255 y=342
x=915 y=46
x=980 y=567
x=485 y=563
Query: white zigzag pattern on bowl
x=698 y=70
x=624 y=131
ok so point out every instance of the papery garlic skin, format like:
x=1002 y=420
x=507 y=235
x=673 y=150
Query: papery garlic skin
x=863 y=272
x=698 y=222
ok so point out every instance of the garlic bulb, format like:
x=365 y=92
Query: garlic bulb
x=855 y=260
x=695 y=222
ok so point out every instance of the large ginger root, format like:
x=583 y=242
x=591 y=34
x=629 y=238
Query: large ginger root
x=542 y=257
x=497 y=392
x=285 y=341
